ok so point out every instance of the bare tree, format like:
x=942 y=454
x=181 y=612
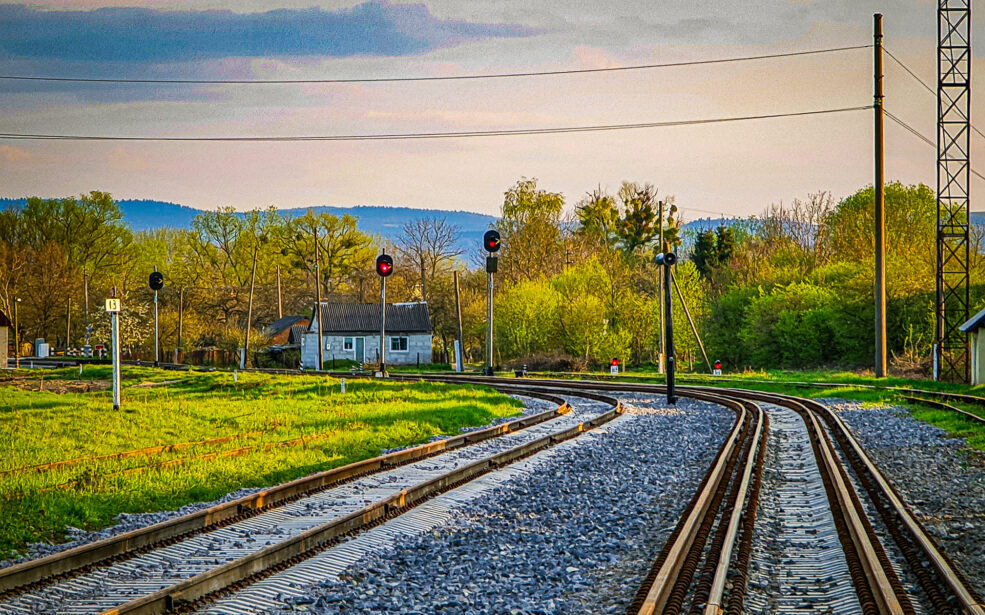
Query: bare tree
x=428 y=243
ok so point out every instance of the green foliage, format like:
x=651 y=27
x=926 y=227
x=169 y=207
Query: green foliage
x=259 y=409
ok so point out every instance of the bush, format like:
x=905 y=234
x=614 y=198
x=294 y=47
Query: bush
x=550 y=362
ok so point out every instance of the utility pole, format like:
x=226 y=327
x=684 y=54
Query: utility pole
x=68 y=324
x=17 y=339
x=181 y=313
x=663 y=349
x=880 y=198
x=85 y=306
x=280 y=305
x=249 y=309
x=459 y=341
x=317 y=314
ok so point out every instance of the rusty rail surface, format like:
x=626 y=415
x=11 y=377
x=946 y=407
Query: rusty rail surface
x=202 y=587
x=56 y=566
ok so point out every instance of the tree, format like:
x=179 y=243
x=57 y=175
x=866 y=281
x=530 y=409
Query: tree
x=705 y=253
x=598 y=217
x=531 y=231
x=428 y=244
x=638 y=226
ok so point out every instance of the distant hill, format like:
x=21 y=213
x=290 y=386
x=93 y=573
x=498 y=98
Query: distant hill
x=142 y=215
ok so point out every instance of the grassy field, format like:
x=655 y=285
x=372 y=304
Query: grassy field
x=857 y=388
x=223 y=435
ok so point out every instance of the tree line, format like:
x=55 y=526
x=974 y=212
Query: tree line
x=792 y=287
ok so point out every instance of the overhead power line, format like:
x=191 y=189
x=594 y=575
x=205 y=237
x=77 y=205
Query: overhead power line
x=436 y=135
x=925 y=139
x=578 y=71
x=925 y=85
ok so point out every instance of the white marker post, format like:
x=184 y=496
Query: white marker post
x=113 y=307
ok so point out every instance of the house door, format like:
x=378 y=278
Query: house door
x=360 y=349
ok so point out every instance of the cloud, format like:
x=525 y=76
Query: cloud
x=13 y=155
x=140 y=35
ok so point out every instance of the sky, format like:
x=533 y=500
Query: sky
x=731 y=169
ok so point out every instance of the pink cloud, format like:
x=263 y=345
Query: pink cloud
x=14 y=155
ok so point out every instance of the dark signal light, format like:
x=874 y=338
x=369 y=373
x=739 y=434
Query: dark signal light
x=384 y=265
x=491 y=241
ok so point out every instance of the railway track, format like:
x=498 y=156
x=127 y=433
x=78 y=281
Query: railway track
x=702 y=568
x=670 y=588
x=159 y=568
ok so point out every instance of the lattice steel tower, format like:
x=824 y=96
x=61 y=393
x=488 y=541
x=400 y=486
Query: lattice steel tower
x=953 y=154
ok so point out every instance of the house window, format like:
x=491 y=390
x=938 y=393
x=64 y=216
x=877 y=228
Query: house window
x=398 y=344
x=347 y=344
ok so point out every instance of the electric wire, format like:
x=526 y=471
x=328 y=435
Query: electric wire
x=437 y=135
x=576 y=71
x=925 y=139
x=925 y=85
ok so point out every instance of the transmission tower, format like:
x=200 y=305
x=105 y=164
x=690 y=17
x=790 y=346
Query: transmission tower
x=953 y=153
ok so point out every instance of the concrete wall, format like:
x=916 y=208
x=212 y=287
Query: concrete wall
x=978 y=357
x=418 y=345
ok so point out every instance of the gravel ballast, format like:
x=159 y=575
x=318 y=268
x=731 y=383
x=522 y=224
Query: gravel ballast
x=577 y=536
x=941 y=480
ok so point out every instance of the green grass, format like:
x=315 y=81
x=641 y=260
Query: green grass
x=41 y=427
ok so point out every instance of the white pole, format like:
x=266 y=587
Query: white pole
x=116 y=360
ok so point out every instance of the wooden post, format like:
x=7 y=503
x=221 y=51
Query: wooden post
x=68 y=324
x=280 y=305
x=460 y=354
x=249 y=309
x=317 y=314
x=181 y=313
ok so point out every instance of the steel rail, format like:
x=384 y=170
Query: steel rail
x=29 y=574
x=249 y=568
x=970 y=603
x=717 y=595
x=662 y=584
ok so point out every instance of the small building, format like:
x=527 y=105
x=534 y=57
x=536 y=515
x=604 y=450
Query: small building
x=280 y=331
x=351 y=331
x=974 y=327
x=5 y=326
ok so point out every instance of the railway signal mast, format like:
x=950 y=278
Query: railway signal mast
x=491 y=242
x=384 y=267
x=156 y=283
x=667 y=260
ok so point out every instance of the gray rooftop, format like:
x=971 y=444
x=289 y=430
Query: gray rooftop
x=974 y=323
x=365 y=318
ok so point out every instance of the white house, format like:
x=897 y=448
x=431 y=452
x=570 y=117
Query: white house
x=352 y=331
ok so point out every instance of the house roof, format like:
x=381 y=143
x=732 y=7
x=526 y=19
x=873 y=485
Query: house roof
x=283 y=324
x=365 y=317
x=294 y=337
x=4 y=321
x=974 y=323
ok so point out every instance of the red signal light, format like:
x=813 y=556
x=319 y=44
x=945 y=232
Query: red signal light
x=718 y=365
x=491 y=241
x=614 y=362
x=384 y=265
